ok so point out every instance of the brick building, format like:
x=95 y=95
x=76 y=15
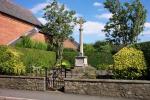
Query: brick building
x=16 y=21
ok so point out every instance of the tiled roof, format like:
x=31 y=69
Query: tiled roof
x=7 y=7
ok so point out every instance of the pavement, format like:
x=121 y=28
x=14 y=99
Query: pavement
x=8 y=94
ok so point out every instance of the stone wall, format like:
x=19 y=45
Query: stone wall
x=115 y=88
x=23 y=83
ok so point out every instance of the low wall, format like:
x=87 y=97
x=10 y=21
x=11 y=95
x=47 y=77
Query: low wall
x=23 y=83
x=115 y=88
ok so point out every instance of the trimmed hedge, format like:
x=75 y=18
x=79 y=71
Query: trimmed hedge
x=33 y=58
x=37 y=58
x=99 y=60
x=70 y=55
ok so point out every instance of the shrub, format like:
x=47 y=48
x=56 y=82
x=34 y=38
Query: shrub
x=66 y=64
x=10 y=62
x=26 y=42
x=129 y=63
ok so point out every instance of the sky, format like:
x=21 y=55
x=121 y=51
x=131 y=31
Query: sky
x=92 y=11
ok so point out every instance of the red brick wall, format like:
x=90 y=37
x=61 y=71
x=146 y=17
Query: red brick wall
x=39 y=37
x=11 y=28
x=69 y=44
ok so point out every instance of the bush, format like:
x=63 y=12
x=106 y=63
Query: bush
x=129 y=63
x=10 y=62
x=26 y=42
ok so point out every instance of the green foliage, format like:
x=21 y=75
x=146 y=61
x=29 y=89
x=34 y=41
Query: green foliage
x=145 y=47
x=89 y=48
x=99 y=60
x=16 y=61
x=59 y=26
x=102 y=46
x=127 y=21
x=26 y=42
x=66 y=64
x=129 y=63
x=70 y=55
x=37 y=58
x=10 y=62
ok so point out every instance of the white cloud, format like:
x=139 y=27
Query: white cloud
x=39 y=7
x=97 y=4
x=146 y=29
x=42 y=20
x=147 y=25
x=104 y=16
x=91 y=27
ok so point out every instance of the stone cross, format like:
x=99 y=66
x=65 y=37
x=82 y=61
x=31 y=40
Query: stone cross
x=81 y=22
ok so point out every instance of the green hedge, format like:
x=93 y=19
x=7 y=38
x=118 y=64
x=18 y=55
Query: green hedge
x=33 y=58
x=99 y=60
x=145 y=47
x=70 y=55
x=37 y=58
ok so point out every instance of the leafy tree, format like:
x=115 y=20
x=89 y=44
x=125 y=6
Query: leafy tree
x=102 y=46
x=127 y=21
x=89 y=48
x=59 y=26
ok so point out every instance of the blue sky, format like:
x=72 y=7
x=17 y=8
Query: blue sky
x=93 y=12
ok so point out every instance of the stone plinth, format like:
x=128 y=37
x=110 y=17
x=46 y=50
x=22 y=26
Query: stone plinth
x=81 y=61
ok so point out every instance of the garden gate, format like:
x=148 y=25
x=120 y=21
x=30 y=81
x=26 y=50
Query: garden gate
x=55 y=79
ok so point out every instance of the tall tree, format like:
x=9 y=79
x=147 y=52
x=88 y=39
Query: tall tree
x=59 y=26
x=126 y=23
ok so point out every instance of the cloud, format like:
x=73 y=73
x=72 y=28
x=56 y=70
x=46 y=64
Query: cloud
x=146 y=29
x=97 y=4
x=38 y=7
x=104 y=16
x=42 y=20
x=147 y=25
x=91 y=27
